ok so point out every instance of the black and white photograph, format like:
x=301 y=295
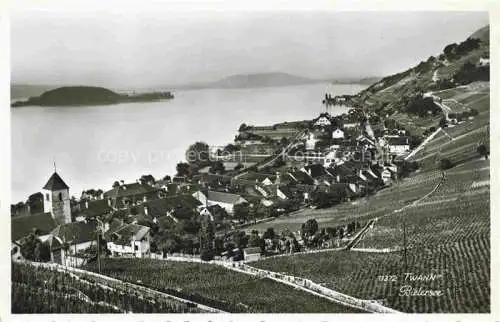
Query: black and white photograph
x=249 y=161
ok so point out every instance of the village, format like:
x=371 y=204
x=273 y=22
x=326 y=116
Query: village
x=208 y=208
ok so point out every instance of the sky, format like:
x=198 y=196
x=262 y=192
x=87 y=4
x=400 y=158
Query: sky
x=165 y=48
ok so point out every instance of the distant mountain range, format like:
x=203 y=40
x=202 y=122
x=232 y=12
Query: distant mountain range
x=268 y=80
x=256 y=80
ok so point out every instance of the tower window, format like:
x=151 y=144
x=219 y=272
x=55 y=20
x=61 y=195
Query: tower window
x=47 y=197
x=60 y=196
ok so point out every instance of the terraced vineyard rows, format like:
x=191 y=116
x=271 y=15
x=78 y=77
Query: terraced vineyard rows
x=464 y=266
x=217 y=286
x=458 y=209
x=44 y=290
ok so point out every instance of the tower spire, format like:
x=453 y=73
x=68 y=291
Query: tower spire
x=55 y=168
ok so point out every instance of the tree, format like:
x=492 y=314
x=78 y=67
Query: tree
x=483 y=151
x=183 y=169
x=217 y=167
x=443 y=123
x=242 y=127
x=269 y=233
x=116 y=184
x=445 y=164
x=449 y=51
x=198 y=153
x=240 y=239
x=310 y=227
x=241 y=211
x=255 y=241
x=167 y=178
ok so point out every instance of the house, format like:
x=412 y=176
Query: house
x=251 y=254
x=386 y=176
x=310 y=142
x=300 y=177
x=41 y=224
x=337 y=134
x=318 y=173
x=398 y=145
x=129 y=240
x=79 y=238
x=205 y=212
x=322 y=121
x=125 y=195
x=283 y=192
x=86 y=209
x=223 y=199
x=180 y=206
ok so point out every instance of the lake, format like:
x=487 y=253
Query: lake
x=94 y=146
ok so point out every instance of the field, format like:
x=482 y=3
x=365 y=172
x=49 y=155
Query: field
x=464 y=282
x=44 y=290
x=218 y=287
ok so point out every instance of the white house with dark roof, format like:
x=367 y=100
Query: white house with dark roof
x=79 y=238
x=223 y=199
x=129 y=240
x=337 y=134
x=57 y=199
x=398 y=145
x=322 y=121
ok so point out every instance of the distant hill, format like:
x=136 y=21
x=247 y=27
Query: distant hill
x=262 y=80
x=252 y=81
x=87 y=95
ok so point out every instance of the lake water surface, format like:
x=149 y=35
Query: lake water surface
x=96 y=145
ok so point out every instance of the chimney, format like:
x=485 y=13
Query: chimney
x=145 y=210
x=86 y=204
x=144 y=198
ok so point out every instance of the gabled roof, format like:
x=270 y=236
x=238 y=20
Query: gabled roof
x=95 y=208
x=128 y=233
x=230 y=198
x=55 y=183
x=76 y=232
x=159 y=207
x=130 y=189
x=22 y=226
x=400 y=140
x=317 y=170
x=301 y=177
x=252 y=250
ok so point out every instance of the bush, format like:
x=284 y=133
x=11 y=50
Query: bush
x=445 y=164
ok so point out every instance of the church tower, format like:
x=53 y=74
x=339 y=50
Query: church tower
x=56 y=199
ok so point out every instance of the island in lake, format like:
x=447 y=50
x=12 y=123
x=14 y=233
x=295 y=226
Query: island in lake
x=88 y=95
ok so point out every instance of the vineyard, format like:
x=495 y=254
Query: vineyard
x=46 y=290
x=218 y=287
x=463 y=267
x=457 y=210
